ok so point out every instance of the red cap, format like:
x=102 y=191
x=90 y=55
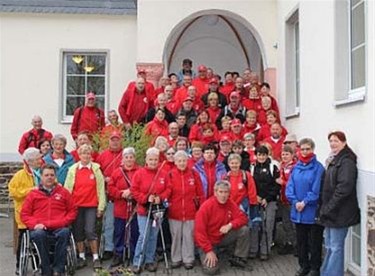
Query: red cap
x=188 y=99
x=234 y=94
x=213 y=80
x=115 y=134
x=236 y=122
x=202 y=68
x=225 y=138
x=90 y=95
x=141 y=71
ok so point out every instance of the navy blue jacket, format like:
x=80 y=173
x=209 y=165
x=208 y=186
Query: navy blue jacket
x=304 y=185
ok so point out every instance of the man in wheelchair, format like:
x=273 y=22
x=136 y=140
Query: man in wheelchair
x=47 y=212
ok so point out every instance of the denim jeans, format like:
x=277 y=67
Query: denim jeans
x=42 y=240
x=109 y=227
x=120 y=235
x=333 y=264
x=149 y=243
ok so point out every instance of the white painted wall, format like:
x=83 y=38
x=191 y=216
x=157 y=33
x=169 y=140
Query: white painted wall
x=318 y=116
x=261 y=15
x=30 y=46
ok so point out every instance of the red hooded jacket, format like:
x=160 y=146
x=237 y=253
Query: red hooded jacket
x=134 y=105
x=186 y=195
x=210 y=217
x=239 y=191
x=54 y=210
x=32 y=138
x=148 y=182
x=87 y=119
x=120 y=180
x=285 y=172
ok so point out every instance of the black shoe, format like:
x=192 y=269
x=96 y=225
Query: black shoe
x=176 y=264
x=238 y=262
x=286 y=249
x=302 y=272
x=117 y=260
x=107 y=255
x=17 y=271
x=151 y=267
x=314 y=273
x=81 y=263
x=136 y=270
x=189 y=266
x=97 y=264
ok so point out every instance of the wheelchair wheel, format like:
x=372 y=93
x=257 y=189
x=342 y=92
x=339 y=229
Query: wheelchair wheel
x=24 y=255
x=71 y=257
x=35 y=257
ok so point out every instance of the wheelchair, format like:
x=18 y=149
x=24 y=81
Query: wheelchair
x=29 y=252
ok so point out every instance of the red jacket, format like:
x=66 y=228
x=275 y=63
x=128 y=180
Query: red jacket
x=55 y=210
x=265 y=132
x=134 y=105
x=252 y=104
x=186 y=195
x=145 y=184
x=210 y=217
x=120 y=180
x=157 y=128
x=277 y=147
x=87 y=119
x=201 y=85
x=196 y=132
x=173 y=106
x=213 y=113
x=32 y=138
x=239 y=191
x=109 y=161
x=285 y=172
x=227 y=88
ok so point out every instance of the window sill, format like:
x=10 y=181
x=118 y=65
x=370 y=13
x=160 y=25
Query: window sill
x=350 y=100
x=66 y=121
x=292 y=115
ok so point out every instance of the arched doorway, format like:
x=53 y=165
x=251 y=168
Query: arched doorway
x=219 y=39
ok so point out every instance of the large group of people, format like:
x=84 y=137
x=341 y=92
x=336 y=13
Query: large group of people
x=219 y=170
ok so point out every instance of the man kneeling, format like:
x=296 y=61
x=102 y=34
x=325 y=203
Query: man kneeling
x=48 y=211
x=220 y=223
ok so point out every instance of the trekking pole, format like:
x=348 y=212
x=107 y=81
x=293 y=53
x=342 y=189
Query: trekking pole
x=145 y=236
x=264 y=226
x=127 y=252
x=162 y=239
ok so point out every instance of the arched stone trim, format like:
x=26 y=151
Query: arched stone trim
x=223 y=13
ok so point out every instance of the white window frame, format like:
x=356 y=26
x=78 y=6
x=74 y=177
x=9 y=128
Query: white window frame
x=67 y=119
x=351 y=265
x=292 y=64
x=357 y=94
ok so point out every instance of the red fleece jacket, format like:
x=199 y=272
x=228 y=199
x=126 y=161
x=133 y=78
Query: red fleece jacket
x=211 y=217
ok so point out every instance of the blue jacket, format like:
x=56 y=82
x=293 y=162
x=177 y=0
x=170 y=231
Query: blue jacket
x=220 y=172
x=304 y=185
x=61 y=172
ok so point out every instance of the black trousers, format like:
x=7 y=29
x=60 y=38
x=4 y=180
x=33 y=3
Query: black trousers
x=309 y=245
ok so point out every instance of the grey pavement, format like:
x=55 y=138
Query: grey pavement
x=275 y=266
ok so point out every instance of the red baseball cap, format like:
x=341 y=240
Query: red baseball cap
x=225 y=138
x=234 y=94
x=236 y=122
x=115 y=134
x=202 y=68
x=213 y=80
x=188 y=99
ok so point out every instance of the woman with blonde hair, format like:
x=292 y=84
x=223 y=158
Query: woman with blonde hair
x=85 y=181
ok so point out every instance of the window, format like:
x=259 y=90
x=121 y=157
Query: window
x=292 y=65
x=355 y=248
x=350 y=42
x=83 y=72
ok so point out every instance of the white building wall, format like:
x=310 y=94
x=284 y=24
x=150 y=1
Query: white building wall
x=156 y=19
x=318 y=116
x=30 y=46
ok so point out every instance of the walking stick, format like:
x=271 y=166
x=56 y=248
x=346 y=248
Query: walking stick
x=158 y=216
x=145 y=236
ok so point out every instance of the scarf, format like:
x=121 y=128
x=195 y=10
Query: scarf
x=306 y=159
